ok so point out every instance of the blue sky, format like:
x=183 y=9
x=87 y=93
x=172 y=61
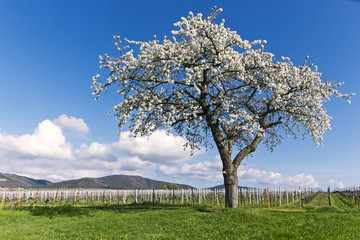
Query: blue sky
x=51 y=127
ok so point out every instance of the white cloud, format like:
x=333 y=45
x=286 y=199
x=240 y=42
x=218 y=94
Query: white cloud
x=302 y=180
x=333 y=184
x=47 y=141
x=260 y=177
x=257 y=176
x=77 y=125
x=211 y=171
x=207 y=171
x=159 y=147
x=95 y=150
x=46 y=153
x=132 y=164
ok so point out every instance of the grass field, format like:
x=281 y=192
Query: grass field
x=314 y=221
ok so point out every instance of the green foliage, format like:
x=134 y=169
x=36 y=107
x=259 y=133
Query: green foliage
x=343 y=202
x=170 y=186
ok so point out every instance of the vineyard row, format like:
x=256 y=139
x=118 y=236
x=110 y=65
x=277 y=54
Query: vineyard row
x=270 y=197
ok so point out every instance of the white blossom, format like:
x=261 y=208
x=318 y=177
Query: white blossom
x=205 y=80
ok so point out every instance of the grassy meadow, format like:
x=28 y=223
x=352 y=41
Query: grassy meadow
x=145 y=221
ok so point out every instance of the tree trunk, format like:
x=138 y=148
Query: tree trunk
x=231 y=185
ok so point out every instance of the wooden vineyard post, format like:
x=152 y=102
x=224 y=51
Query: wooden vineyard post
x=192 y=196
x=249 y=193
x=182 y=196
x=199 y=193
x=18 y=200
x=329 y=195
x=77 y=197
x=118 y=197
x=36 y=196
x=124 y=197
x=56 y=196
x=280 y=196
x=173 y=196
x=2 y=200
x=287 y=196
x=217 y=196
x=153 y=197
x=300 y=196
x=268 y=197
x=241 y=197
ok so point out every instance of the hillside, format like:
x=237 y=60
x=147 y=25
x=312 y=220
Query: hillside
x=113 y=182
x=16 y=181
x=108 y=182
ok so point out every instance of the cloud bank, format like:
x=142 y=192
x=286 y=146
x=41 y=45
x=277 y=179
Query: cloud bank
x=211 y=171
x=47 y=154
x=47 y=141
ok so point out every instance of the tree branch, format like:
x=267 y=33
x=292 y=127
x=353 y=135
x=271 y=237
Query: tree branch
x=247 y=150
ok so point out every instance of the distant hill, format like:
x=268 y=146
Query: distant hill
x=114 y=182
x=15 y=181
x=108 y=182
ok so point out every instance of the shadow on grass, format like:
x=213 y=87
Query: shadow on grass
x=151 y=207
x=86 y=210
x=67 y=210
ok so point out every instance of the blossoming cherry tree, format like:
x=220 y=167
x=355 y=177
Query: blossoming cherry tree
x=209 y=85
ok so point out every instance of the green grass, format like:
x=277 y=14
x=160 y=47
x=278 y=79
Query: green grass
x=313 y=221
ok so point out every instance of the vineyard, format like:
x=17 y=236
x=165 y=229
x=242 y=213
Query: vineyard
x=350 y=197
x=246 y=196
x=178 y=214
